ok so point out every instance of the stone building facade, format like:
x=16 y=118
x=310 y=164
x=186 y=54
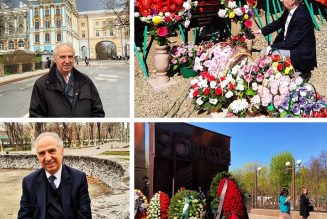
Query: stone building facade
x=40 y=24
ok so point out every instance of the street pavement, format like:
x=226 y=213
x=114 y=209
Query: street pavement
x=110 y=77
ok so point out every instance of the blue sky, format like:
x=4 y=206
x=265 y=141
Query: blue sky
x=260 y=141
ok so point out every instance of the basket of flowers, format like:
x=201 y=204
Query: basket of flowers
x=186 y=204
x=158 y=208
x=140 y=205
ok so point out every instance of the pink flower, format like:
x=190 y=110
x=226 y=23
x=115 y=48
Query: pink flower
x=167 y=19
x=178 y=18
x=246 y=69
x=247 y=78
x=259 y=77
x=269 y=73
x=183 y=60
x=278 y=100
x=274 y=91
x=266 y=99
x=255 y=68
x=248 y=23
x=174 y=61
x=162 y=31
x=284 y=91
x=274 y=85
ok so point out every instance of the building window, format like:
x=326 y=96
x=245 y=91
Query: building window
x=37 y=25
x=57 y=11
x=2 y=46
x=83 y=24
x=97 y=33
x=111 y=32
x=21 y=29
x=11 y=45
x=37 y=38
x=104 y=33
x=11 y=29
x=58 y=37
x=47 y=24
x=47 y=37
x=36 y=12
x=83 y=34
x=21 y=44
x=97 y=23
x=47 y=11
x=58 y=23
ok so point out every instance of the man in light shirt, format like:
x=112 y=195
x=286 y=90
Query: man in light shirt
x=296 y=38
x=55 y=191
x=65 y=92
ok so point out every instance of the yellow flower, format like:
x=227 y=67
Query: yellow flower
x=231 y=15
x=274 y=65
x=157 y=20
x=246 y=16
x=287 y=70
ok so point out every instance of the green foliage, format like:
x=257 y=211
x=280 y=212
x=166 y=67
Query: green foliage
x=177 y=204
x=278 y=171
x=119 y=153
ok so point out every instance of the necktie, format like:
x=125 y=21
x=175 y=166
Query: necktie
x=52 y=179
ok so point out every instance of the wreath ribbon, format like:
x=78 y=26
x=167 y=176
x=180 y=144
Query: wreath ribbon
x=186 y=207
x=222 y=198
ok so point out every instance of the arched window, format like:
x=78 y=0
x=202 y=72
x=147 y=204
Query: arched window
x=11 y=29
x=47 y=11
x=47 y=23
x=47 y=37
x=11 y=45
x=2 y=46
x=37 y=24
x=21 y=29
x=57 y=11
x=36 y=12
x=21 y=44
x=58 y=23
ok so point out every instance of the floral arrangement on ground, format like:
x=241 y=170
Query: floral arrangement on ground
x=140 y=205
x=187 y=204
x=159 y=206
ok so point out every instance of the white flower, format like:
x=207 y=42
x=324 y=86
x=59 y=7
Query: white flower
x=203 y=83
x=224 y=83
x=229 y=94
x=238 y=12
x=308 y=87
x=195 y=3
x=167 y=14
x=222 y=13
x=292 y=86
x=190 y=94
x=199 y=101
x=255 y=100
x=298 y=80
x=213 y=101
x=187 y=23
x=194 y=81
x=239 y=86
x=187 y=6
x=265 y=82
x=278 y=75
x=136 y=14
x=238 y=105
x=246 y=8
x=254 y=86
x=232 y=4
x=143 y=19
x=213 y=84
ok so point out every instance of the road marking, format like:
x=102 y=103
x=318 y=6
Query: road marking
x=109 y=76
x=27 y=86
x=94 y=71
x=106 y=79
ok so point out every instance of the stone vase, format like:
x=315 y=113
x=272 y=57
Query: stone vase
x=161 y=63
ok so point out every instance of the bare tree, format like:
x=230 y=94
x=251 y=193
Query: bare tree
x=120 y=8
x=4 y=16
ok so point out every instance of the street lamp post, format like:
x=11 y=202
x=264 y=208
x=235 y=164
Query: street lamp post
x=257 y=170
x=291 y=166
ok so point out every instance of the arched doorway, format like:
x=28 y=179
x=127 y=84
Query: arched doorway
x=84 y=51
x=106 y=50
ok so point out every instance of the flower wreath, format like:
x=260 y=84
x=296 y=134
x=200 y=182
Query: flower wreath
x=187 y=204
x=159 y=206
x=233 y=205
x=140 y=205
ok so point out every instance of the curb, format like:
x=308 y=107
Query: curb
x=22 y=77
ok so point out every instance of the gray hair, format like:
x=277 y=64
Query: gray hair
x=55 y=136
x=55 y=51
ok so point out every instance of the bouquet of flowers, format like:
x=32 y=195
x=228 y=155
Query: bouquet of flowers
x=238 y=40
x=159 y=206
x=161 y=16
x=183 y=56
x=140 y=205
x=187 y=204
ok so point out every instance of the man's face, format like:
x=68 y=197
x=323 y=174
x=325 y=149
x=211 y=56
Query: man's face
x=64 y=59
x=288 y=4
x=50 y=154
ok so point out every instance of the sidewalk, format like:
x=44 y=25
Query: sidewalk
x=18 y=77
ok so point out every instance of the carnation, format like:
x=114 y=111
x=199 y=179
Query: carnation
x=238 y=12
x=222 y=13
x=239 y=105
x=199 y=101
x=232 y=4
x=213 y=101
x=229 y=94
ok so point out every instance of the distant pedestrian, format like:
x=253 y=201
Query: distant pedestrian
x=304 y=204
x=76 y=59
x=86 y=61
x=48 y=62
x=284 y=204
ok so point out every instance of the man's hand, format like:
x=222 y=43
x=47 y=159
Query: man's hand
x=257 y=31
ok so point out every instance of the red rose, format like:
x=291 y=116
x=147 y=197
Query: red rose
x=248 y=23
x=219 y=91
x=167 y=19
x=243 y=39
x=236 y=38
x=280 y=67
x=276 y=58
x=222 y=78
x=195 y=93
x=162 y=31
x=178 y=18
x=211 y=78
x=144 y=11
x=230 y=86
x=206 y=91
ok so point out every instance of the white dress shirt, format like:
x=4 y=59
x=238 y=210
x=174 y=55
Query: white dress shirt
x=57 y=175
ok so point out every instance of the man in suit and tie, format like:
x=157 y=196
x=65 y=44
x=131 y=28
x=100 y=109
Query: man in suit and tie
x=296 y=38
x=55 y=191
x=65 y=92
